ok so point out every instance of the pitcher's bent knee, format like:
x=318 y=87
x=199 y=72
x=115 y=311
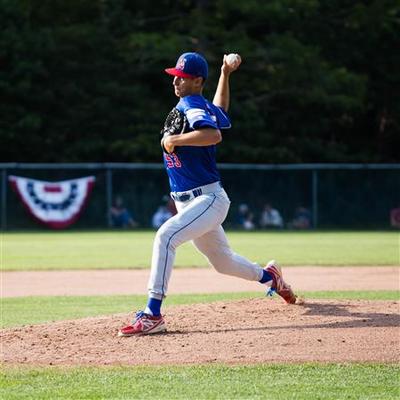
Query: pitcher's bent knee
x=167 y=238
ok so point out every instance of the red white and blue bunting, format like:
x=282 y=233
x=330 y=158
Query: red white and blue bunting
x=55 y=204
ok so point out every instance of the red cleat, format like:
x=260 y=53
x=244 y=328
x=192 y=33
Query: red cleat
x=278 y=284
x=144 y=324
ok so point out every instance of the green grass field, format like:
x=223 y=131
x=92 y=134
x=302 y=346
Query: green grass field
x=114 y=249
x=83 y=250
x=275 y=382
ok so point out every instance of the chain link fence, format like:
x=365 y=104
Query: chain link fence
x=345 y=196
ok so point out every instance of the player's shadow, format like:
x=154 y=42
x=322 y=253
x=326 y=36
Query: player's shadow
x=355 y=320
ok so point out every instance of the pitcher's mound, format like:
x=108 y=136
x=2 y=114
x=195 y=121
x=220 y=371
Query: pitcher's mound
x=245 y=331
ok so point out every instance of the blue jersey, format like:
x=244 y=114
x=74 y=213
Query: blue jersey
x=193 y=166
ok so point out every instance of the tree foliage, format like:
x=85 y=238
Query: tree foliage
x=82 y=80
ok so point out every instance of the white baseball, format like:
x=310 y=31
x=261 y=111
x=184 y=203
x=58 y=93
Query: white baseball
x=232 y=59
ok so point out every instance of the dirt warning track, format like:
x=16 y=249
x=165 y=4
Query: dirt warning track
x=191 y=280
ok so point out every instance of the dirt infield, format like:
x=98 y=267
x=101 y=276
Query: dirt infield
x=245 y=331
x=191 y=280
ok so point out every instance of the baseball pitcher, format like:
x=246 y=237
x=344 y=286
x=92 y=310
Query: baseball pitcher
x=189 y=138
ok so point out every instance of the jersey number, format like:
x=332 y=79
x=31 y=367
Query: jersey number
x=172 y=161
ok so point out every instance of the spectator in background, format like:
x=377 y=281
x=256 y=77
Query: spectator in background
x=301 y=219
x=120 y=216
x=270 y=218
x=395 y=217
x=162 y=214
x=245 y=218
x=248 y=223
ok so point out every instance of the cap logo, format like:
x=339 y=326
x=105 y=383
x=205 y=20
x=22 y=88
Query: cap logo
x=181 y=63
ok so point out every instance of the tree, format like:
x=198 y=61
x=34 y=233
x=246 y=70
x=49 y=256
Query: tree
x=83 y=80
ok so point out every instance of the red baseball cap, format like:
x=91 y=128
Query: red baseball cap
x=189 y=65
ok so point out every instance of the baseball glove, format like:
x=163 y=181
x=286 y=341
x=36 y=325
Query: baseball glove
x=175 y=124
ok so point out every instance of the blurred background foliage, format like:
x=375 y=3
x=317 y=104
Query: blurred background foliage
x=83 y=80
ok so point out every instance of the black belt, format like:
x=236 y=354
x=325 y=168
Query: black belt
x=187 y=195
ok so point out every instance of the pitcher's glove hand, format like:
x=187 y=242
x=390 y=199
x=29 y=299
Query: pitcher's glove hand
x=175 y=124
